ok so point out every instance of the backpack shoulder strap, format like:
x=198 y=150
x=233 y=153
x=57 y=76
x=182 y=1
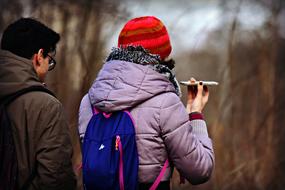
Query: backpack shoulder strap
x=7 y=100
x=159 y=177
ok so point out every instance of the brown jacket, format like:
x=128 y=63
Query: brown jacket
x=40 y=129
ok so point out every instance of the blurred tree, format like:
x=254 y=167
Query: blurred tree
x=252 y=138
x=248 y=131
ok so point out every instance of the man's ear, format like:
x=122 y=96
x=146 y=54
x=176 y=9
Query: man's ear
x=38 y=58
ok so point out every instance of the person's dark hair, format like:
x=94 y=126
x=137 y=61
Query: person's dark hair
x=169 y=63
x=26 y=36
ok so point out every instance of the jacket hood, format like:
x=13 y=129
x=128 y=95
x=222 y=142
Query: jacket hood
x=139 y=55
x=121 y=85
x=16 y=73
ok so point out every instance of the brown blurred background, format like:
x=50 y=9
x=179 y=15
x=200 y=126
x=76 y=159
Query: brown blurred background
x=239 y=43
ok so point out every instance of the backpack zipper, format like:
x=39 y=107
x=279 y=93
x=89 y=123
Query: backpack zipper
x=117 y=142
x=119 y=147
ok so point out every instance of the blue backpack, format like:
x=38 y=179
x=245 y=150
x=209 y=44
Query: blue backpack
x=110 y=157
x=109 y=153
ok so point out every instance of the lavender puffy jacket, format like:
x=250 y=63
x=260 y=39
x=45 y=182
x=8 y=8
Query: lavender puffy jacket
x=162 y=124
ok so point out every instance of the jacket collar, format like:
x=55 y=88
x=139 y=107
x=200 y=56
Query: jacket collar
x=16 y=73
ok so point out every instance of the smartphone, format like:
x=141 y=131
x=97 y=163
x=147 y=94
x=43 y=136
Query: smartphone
x=206 y=83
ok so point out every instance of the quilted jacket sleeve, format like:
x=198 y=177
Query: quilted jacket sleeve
x=85 y=114
x=187 y=142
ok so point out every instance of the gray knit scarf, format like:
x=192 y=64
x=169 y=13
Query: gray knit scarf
x=139 y=55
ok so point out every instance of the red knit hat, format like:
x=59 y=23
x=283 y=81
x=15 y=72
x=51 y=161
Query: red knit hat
x=149 y=32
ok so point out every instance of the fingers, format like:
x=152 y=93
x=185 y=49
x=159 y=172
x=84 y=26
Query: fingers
x=206 y=90
x=192 y=89
x=202 y=93
x=206 y=95
x=200 y=90
x=198 y=96
x=192 y=80
x=197 y=90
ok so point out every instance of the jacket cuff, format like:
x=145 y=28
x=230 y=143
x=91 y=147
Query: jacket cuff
x=196 y=115
x=199 y=127
x=198 y=123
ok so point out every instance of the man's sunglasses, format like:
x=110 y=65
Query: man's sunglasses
x=51 y=63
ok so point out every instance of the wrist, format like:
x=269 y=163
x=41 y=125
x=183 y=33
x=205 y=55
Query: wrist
x=192 y=110
x=195 y=110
